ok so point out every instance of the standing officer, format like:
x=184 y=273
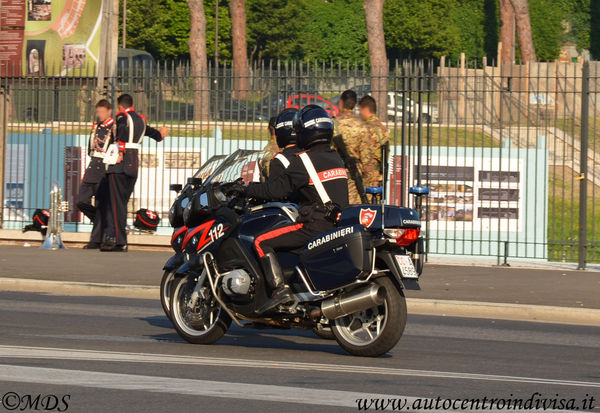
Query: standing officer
x=323 y=194
x=367 y=108
x=358 y=152
x=129 y=130
x=94 y=183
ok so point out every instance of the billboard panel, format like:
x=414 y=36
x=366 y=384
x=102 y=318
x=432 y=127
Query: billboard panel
x=50 y=37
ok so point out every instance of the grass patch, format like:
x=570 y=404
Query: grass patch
x=572 y=127
x=445 y=136
x=563 y=218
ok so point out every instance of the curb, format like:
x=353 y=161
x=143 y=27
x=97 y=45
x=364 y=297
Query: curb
x=79 y=288
x=505 y=311
x=14 y=236
x=423 y=306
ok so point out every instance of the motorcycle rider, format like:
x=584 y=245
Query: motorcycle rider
x=286 y=141
x=321 y=199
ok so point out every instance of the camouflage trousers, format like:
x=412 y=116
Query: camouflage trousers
x=371 y=180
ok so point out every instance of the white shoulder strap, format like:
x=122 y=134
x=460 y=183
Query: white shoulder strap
x=283 y=160
x=310 y=168
x=130 y=127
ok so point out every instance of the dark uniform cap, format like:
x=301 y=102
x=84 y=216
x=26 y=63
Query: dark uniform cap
x=284 y=129
x=312 y=125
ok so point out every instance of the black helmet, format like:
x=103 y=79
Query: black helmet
x=312 y=125
x=284 y=129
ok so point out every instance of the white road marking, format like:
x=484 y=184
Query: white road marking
x=170 y=385
x=113 y=356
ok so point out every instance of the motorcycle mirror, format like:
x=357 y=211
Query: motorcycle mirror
x=175 y=187
x=195 y=181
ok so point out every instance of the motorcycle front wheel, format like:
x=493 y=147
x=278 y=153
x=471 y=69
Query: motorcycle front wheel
x=166 y=284
x=377 y=330
x=195 y=313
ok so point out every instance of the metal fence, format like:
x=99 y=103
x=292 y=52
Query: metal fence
x=510 y=152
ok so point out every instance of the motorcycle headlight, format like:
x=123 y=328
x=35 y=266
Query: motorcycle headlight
x=172 y=220
x=187 y=211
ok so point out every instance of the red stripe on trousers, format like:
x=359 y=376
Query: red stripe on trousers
x=273 y=234
x=114 y=199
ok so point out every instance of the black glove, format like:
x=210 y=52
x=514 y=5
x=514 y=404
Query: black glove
x=233 y=189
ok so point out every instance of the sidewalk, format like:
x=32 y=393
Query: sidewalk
x=575 y=289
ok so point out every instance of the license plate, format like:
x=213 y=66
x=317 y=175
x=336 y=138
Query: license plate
x=406 y=266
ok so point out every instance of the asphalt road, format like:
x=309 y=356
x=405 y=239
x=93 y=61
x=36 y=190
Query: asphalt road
x=122 y=355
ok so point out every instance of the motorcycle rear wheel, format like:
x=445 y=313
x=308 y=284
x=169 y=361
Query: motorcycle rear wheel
x=377 y=330
x=203 y=323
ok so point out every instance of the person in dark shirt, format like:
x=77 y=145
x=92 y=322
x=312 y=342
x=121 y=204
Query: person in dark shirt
x=94 y=184
x=130 y=127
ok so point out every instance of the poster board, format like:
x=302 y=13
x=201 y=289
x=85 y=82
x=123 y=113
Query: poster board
x=50 y=37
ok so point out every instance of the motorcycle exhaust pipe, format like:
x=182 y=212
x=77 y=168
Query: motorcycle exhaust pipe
x=353 y=301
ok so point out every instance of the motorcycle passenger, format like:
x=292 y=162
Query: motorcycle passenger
x=286 y=141
x=321 y=197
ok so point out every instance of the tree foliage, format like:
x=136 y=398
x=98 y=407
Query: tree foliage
x=418 y=28
x=335 y=29
x=274 y=34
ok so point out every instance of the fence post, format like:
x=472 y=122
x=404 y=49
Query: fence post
x=585 y=101
x=3 y=132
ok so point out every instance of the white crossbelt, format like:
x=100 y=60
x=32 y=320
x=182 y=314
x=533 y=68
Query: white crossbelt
x=314 y=176
x=131 y=144
x=283 y=160
x=95 y=153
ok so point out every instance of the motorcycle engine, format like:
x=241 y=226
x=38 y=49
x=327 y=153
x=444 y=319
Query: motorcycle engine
x=236 y=283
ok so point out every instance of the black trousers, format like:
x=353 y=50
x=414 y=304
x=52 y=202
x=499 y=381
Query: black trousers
x=120 y=188
x=289 y=237
x=96 y=213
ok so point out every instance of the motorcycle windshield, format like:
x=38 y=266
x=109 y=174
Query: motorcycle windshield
x=243 y=163
x=209 y=167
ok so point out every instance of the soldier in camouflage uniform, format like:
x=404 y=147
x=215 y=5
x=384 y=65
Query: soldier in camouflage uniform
x=379 y=134
x=359 y=142
x=270 y=150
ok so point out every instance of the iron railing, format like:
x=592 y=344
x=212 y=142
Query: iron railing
x=510 y=152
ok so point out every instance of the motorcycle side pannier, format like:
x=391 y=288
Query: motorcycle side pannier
x=335 y=258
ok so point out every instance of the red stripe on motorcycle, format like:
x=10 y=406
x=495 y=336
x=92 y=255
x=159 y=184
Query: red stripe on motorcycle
x=178 y=233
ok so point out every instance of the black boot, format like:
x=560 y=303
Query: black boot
x=108 y=243
x=281 y=293
x=91 y=246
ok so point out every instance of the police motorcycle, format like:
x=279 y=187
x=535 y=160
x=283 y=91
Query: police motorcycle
x=351 y=278
x=184 y=194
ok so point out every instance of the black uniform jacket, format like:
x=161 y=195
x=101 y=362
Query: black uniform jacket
x=96 y=169
x=331 y=171
x=129 y=164
x=277 y=166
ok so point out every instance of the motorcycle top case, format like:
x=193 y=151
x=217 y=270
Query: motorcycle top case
x=337 y=257
x=369 y=215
